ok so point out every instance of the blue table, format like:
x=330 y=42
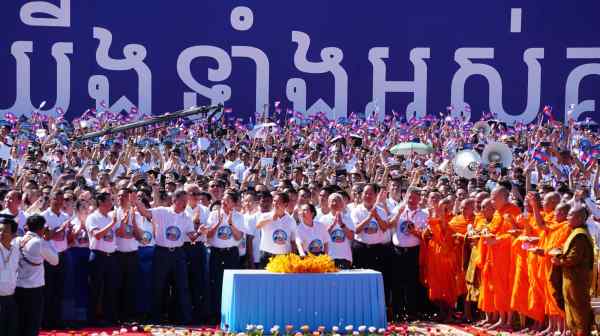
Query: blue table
x=330 y=299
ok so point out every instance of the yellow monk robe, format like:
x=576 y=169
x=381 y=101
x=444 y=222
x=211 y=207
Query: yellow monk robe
x=442 y=264
x=473 y=273
x=485 y=300
x=555 y=236
x=535 y=296
x=459 y=224
x=520 y=285
x=577 y=264
x=495 y=276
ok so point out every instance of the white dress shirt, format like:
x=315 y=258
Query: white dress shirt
x=95 y=222
x=204 y=212
x=53 y=221
x=31 y=263
x=312 y=239
x=371 y=233
x=8 y=271
x=401 y=237
x=340 y=246
x=127 y=243
x=81 y=238
x=277 y=236
x=223 y=237
x=171 y=227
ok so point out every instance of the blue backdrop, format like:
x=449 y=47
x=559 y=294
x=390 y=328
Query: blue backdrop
x=38 y=40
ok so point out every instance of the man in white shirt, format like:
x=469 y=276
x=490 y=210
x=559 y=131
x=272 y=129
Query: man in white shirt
x=370 y=250
x=340 y=226
x=277 y=229
x=9 y=251
x=196 y=255
x=100 y=226
x=265 y=205
x=171 y=223
x=224 y=234
x=34 y=250
x=128 y=233
x=12 y=206
x=408 y=222
x=57 y=223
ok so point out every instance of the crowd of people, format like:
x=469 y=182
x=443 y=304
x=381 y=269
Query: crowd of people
x=140 y=225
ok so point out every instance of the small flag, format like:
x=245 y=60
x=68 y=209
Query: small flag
x=227 y=110
x=540 y=155
x=595 y=152
x=548 y=112
x=277 y=108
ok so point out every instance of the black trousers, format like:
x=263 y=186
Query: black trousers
x=376 y=257
x=30 y=304
x=220 y=260
x=170 y=262
x=54 y=279
x=407 y=291
x=8 y=316
x=128 y=280
x=197 y=265
x=264 y=259
x=104 y=272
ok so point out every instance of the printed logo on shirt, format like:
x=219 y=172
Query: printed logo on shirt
x=372 y=227
x=338 y=236
x=315 y=246
x=109 y=236
x=404 y=226
x=173 y=233
x=224 y=232
x=146 y=237
x=128 y=231
x=279 y=237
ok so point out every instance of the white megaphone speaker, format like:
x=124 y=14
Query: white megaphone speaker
x=465 y=163
x=497 y=152
x=482 y=127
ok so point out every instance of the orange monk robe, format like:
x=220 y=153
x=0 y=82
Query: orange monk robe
x=442 y=264
x=459 y=224
x=535 y=295
x=495 y=277
x=423 y=261
x=520 y=279
x=555 y=236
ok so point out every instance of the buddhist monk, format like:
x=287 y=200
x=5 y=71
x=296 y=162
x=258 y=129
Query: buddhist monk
x=442 y=260
x=520 y=283
x=464 y=224
x=554 y=235
x=535 y=294
x=576 y=264
x=478 y=289
x=497 y=267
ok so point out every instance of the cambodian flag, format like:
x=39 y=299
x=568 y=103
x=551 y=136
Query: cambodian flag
x=595 y=152
x=540 y=155
x=227 y=110
x=548 y=112
x=278 y=107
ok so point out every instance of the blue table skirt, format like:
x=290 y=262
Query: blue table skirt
x=330 y=299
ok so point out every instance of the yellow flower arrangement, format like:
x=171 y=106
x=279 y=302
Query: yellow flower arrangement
x=293 y=263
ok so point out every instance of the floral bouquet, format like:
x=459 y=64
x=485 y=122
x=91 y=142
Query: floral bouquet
x=293 y=263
